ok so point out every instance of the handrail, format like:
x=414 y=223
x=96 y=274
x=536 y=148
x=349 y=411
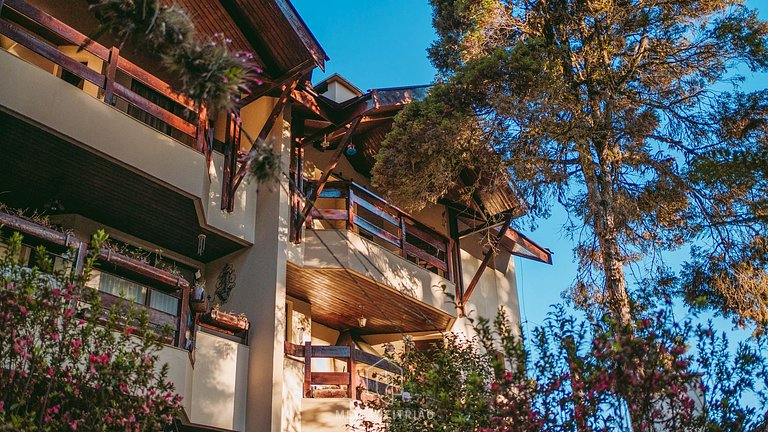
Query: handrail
x=366 y=211
x=351 y=354
x=105 y=80
x=46 y=234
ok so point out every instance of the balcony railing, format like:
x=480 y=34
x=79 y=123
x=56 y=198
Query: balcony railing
x=169 y=282
x=348 y=205
x=43 y=34
x=350 y=378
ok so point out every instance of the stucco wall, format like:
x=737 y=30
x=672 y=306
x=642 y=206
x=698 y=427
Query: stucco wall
x=219 y=382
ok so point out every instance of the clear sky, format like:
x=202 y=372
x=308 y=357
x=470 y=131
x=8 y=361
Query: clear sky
x=382 y=43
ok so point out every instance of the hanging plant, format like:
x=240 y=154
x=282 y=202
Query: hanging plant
x=146 y=23
x=212 y=74
x=264 y=163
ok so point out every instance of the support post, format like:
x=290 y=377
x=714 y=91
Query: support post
x=202 y=130
x=352 y=389
x=307 y=369
x=231 y=146
x=457 y=275
x=486 y=260
x=110 y=73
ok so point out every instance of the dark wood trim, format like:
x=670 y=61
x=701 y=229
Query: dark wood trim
x=539 y=253
x=268 y=125
x=308 y=369
x=110 y=72
x=231 y=146
x=489 y=254
x=453 y=230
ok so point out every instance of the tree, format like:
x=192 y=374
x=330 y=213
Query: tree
x=584 y=376
x=618 y=109
x=64 y=366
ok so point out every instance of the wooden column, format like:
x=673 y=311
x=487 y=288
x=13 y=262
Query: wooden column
x=308 y=369
x=231 y=146
x=181 y=341
x=110 y=73
x=352 y=389
x=202 y=130
x=457 y=276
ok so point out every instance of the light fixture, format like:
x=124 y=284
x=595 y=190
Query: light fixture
x=362 y=321
x=325 y=144
x=351 y=150
x=200 y=244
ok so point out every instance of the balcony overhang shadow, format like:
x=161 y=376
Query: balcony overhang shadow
x=39 y=169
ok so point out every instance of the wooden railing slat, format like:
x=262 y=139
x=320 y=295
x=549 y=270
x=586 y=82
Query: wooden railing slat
x=382 y=213
x=423 y=255
x=376 y=361
x=164 y=115
x=59 y=28
x=330 y=351
x=376 y=231
x=51 y=53
x=329 y=214
x=436 y=241
x=331 y=378
x=155 y=83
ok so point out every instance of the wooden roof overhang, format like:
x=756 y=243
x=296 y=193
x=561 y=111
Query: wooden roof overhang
x=337 y=295
x=326 y=119
x=38 y=168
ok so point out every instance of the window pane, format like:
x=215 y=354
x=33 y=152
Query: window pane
x=120 y=287
x=164 y=302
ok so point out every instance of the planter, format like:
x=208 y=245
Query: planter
x=228 y=321
x=198 y=306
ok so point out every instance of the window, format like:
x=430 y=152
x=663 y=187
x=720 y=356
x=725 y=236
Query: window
x=120 y=287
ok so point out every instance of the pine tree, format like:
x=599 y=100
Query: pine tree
x=627 y=112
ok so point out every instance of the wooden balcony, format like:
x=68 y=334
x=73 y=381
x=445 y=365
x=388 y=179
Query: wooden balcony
x=159 y=106
x=356 y=385
x=349 y=205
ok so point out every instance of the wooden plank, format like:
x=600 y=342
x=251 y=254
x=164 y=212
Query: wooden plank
x=51 y=53
x=231 y=145
x=375 y=386
x=308 y=369
x=329 y=214
x=162 y=114
x=489 y=254
x=425 y=256
x=183 y=317
x=540 y=254
x=143 y=269
x=456 y=272
x=293 y=349
x=331 y=378
x=110 y=73
x=378 y=211
x=427 y=235
x=352 y=370
x=330 y=351
x=376 y=231
x=59 y=28
x=155 y=83
x=374 y=360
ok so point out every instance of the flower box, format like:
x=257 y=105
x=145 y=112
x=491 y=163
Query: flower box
x=228 y=321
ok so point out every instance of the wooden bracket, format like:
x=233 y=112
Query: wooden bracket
x=489 y=254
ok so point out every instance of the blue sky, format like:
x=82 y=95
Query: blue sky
x=382 y=43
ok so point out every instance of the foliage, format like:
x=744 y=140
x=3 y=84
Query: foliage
x=210 y=73
x=584 y=376
x=65 y=367
x=624 y=112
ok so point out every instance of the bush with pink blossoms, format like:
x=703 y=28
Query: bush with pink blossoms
x=68 y=364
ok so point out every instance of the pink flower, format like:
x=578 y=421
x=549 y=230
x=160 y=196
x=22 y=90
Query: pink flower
x=23 y=310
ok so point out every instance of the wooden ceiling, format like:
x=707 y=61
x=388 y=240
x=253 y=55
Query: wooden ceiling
x=38 y=168
x=337 y=294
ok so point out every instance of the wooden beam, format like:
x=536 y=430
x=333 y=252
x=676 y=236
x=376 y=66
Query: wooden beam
x=539 y=253
x=323 y=180
x=486 y=260
x=276 y=110
x=453 y=230
x=492 y=222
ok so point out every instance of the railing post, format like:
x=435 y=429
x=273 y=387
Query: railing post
x=352 y=389
x=403 y=240
x=202 y=130
x=110 y=73
x=351 y=207
x=308 y=369
x=181 y=341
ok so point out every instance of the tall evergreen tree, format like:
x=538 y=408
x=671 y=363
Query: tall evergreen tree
x=624 y=111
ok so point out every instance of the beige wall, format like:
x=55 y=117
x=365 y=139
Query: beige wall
x=219 y=383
